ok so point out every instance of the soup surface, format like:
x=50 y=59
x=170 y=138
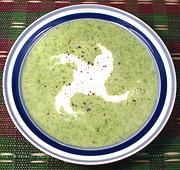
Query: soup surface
x=89 y=83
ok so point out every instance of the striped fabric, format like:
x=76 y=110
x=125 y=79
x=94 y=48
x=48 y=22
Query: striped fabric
x=163 y=153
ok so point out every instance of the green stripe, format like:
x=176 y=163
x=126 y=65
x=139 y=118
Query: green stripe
x=160 y=19
x=22 y=157
x=7 y=31
x=55 y=164
x=31 y=17
x=154 y=19
x=172 y=34
x=172 y=165
x=171 y=144
x=6 y=166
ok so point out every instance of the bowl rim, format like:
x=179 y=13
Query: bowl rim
x=65 y=155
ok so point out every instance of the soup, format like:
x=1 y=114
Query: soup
x=89 y=83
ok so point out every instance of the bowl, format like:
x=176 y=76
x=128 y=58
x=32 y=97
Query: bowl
x=89 y=155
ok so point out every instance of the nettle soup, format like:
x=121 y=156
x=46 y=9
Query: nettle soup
x=89 y=83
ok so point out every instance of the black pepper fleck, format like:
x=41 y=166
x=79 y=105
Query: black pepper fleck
x=89 y=109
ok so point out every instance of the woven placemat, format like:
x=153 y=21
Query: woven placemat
x=163 y=153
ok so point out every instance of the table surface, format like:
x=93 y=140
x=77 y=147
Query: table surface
x=163 y=153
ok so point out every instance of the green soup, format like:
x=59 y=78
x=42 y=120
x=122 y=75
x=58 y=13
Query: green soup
x=96 y=119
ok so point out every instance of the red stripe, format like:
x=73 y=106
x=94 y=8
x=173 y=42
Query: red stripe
x=5 y=45
x=2 y=63
x=34 y=7
x=47 y=5
x=173 y=9
x=6 y=6
x=171 y=126
x=131 y=6
x=177 y=65
x=178 y=134
x=119 y=6
x=145 y=8
x=7 y=128
x=177 y=47
x=61 y=5
x=173 y=47
x=20 y=6
x=159 y=7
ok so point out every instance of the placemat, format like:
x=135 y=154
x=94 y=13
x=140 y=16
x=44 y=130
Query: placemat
x=16 y=153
